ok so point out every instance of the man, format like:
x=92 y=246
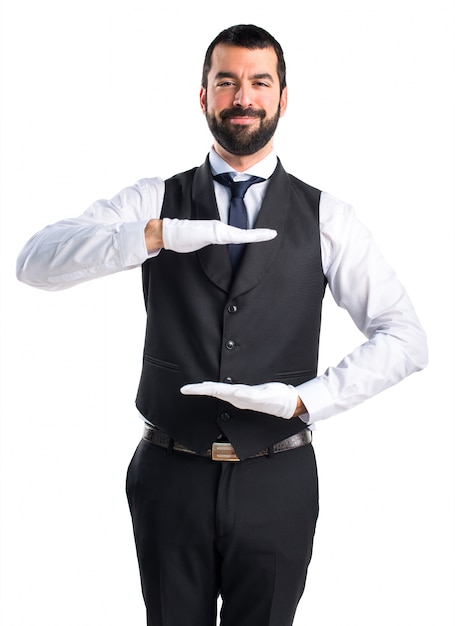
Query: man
x=223 y=486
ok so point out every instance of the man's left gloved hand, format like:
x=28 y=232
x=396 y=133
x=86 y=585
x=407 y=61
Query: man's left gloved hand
x=273 y=398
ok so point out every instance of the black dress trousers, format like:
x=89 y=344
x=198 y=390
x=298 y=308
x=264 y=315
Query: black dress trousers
x=240 y=529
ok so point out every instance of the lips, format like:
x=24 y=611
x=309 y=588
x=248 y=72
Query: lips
x=242 y=121
x=240 y=114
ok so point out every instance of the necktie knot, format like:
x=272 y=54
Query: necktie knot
x=238 y=188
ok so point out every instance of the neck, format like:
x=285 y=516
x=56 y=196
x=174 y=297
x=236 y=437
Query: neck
x=240 y=163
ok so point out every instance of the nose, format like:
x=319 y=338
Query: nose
x=242 y=97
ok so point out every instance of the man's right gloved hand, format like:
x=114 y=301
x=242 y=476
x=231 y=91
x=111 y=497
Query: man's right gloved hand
x=190 y=235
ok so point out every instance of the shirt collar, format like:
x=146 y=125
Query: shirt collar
x=263 y=168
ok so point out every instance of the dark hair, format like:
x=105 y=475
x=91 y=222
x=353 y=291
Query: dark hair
x=246 y=36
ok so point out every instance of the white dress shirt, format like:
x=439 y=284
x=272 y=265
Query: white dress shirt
x=109 y=237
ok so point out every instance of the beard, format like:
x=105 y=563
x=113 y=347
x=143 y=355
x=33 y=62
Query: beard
x=241 y=140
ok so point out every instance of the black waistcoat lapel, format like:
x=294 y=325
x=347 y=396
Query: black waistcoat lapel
x=258 y=257
x=213 y=259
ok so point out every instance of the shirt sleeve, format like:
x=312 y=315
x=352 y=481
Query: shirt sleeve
x=364 y=284
x=107 y=238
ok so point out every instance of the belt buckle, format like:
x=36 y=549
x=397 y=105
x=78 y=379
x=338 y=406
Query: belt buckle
x=222 y=451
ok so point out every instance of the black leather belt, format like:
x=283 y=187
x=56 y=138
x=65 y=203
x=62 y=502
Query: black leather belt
x=224 y=451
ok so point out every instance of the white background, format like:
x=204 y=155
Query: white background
x=97 y=94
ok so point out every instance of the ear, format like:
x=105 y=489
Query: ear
x=283 y=101
x=203 y=99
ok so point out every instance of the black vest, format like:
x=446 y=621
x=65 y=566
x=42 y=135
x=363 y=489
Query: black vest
x=260 y=326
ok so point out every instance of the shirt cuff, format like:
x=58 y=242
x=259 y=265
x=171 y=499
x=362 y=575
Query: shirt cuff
x=317 y=399
x=131 y=241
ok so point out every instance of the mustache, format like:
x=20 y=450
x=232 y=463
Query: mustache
x=238 y=112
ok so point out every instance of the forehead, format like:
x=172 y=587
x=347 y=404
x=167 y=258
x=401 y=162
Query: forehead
x=237 y=60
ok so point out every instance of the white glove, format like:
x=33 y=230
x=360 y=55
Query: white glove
x=191 y=235
x=273 y=398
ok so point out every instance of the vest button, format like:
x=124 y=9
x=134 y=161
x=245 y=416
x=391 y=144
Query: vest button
x=225 y=417
x=228 y=380
x=232 y=308
x=230 y=345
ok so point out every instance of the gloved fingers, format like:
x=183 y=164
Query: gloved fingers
x=231 y=234
x=208 y=388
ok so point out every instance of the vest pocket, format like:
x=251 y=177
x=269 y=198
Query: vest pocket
x=160 y=363
x=294 y=377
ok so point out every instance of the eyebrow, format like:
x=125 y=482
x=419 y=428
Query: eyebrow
x=264 y=75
